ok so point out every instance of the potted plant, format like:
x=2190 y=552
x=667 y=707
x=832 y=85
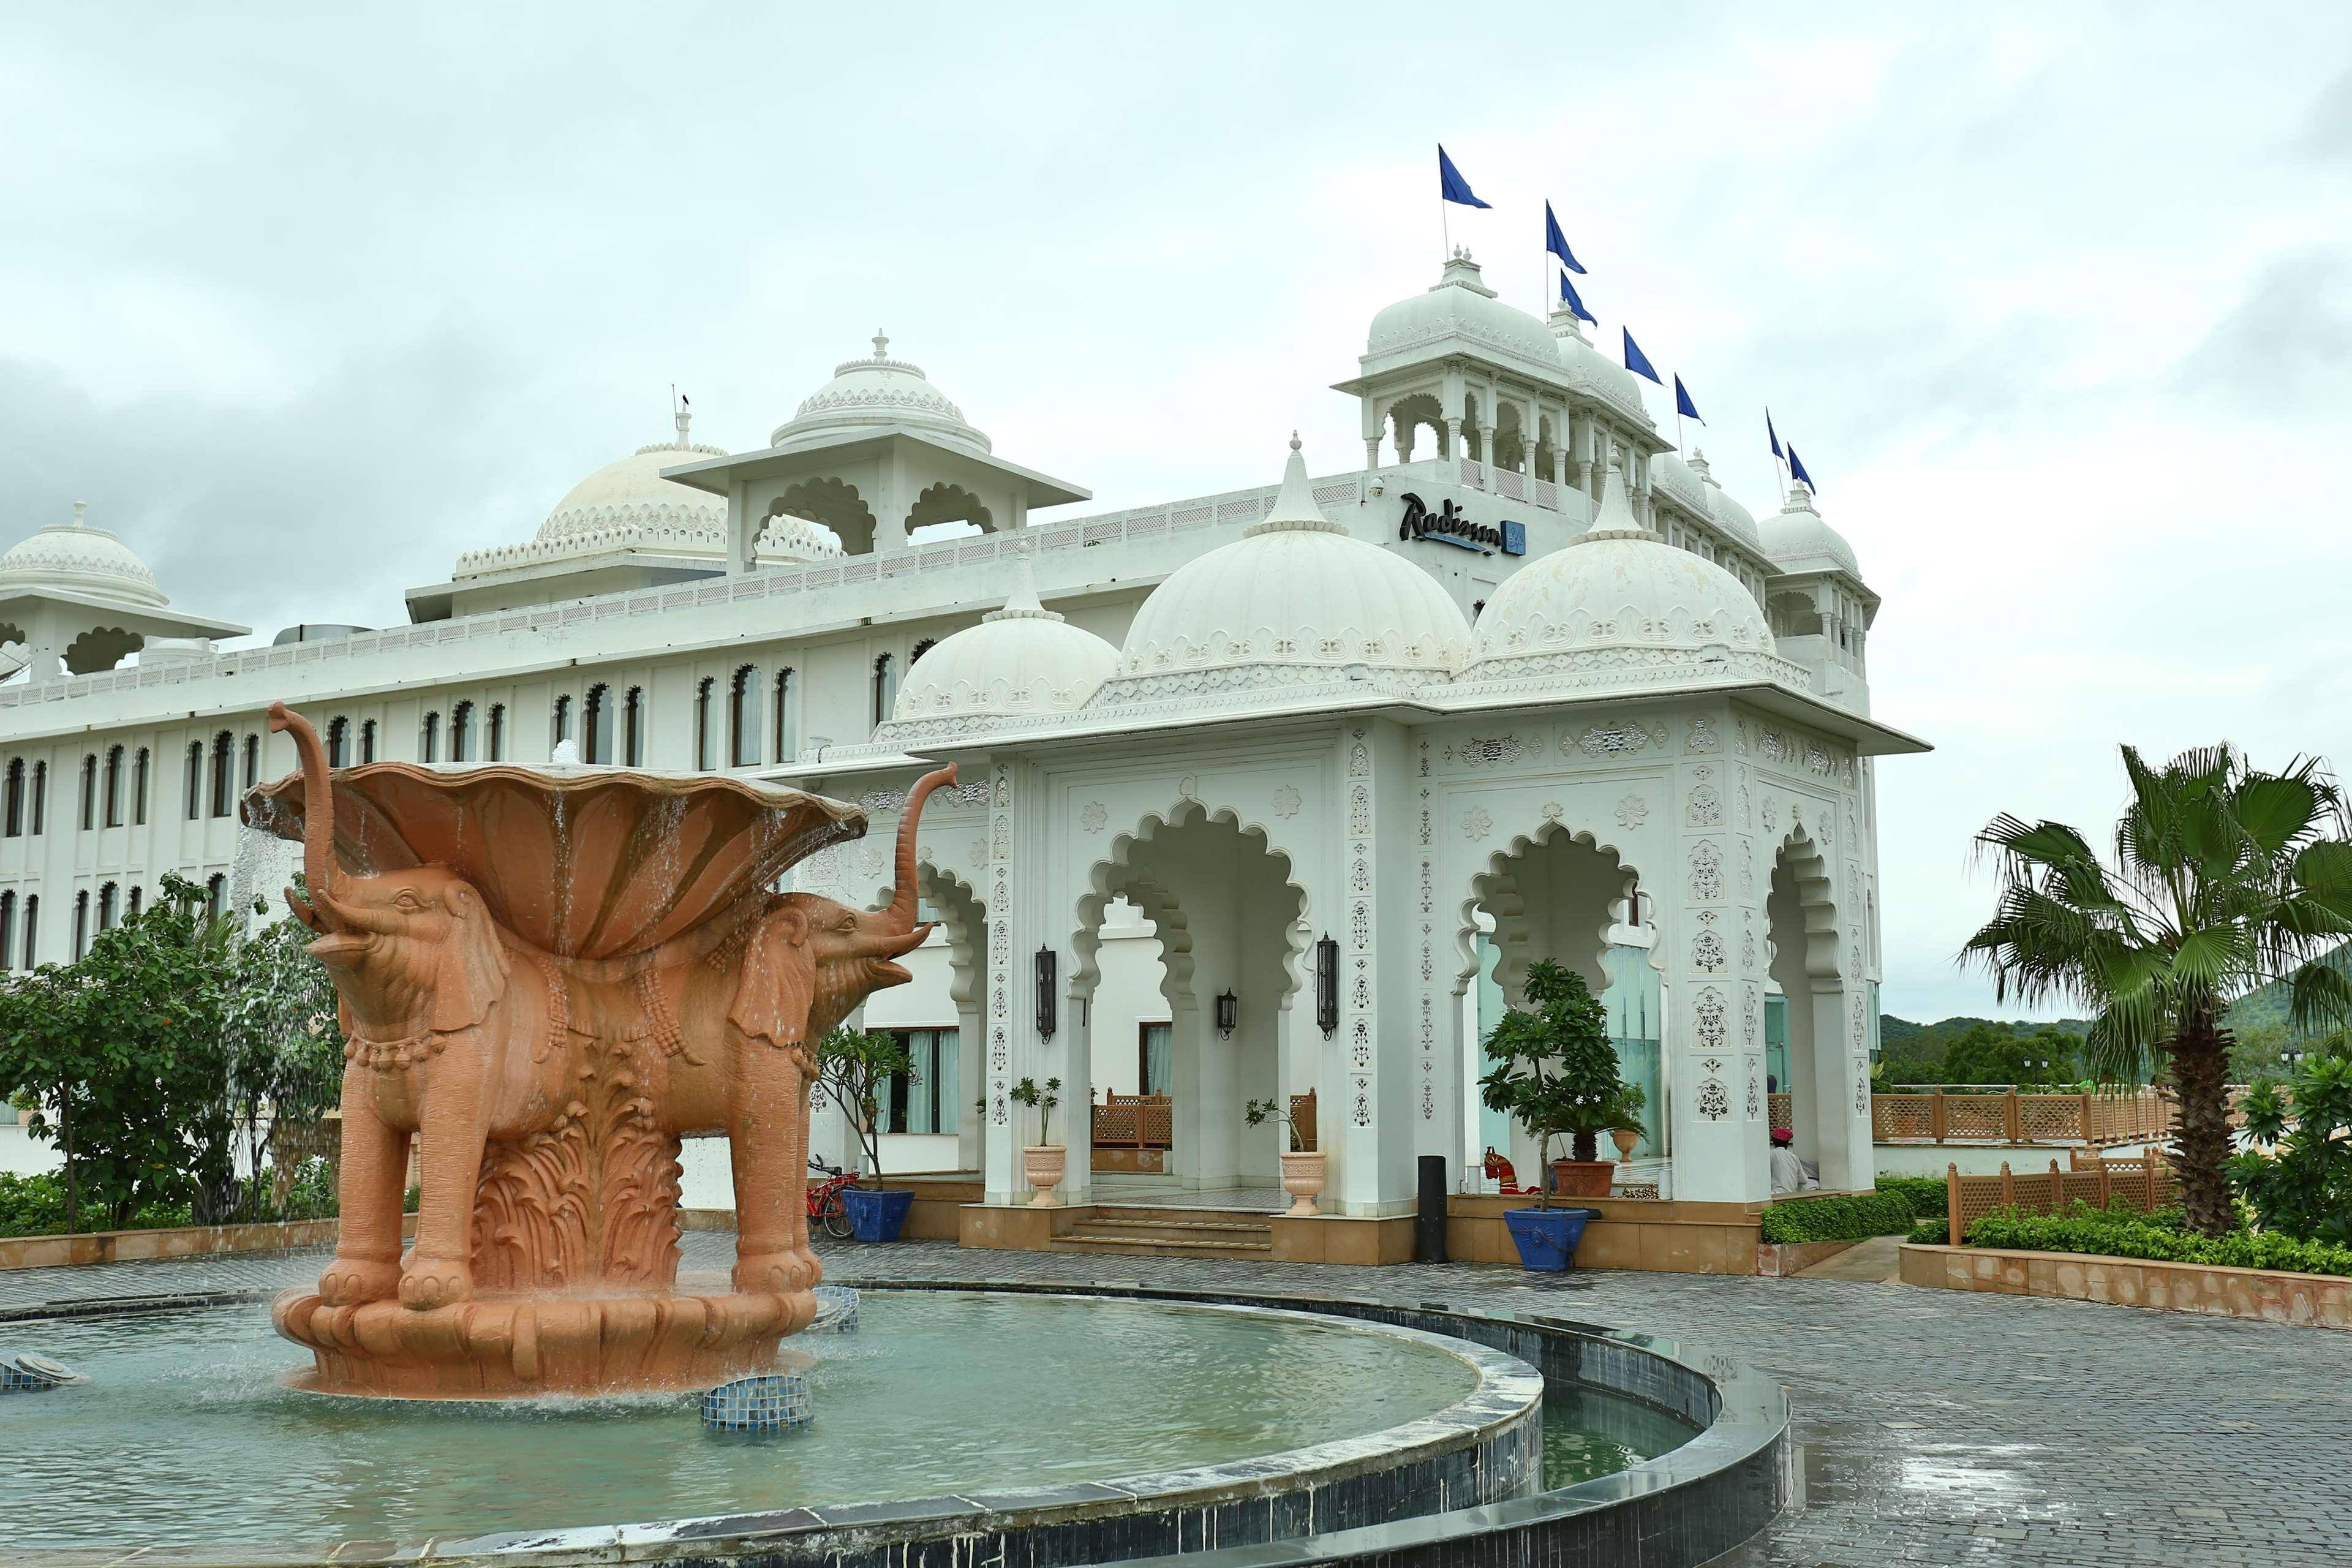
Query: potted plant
x=1556 y=1072
x=1041 y=1162
x=1302 y=1169
x=1625 y=1125
x=852 y=1070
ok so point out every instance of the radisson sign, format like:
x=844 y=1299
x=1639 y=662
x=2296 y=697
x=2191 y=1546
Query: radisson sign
x=1447 y=525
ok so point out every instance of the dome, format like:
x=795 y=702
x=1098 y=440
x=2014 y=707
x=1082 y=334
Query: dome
x=1729 y=515
x=1295 y=599
x=631 y=495
x=878 y=391
x=74 y=555
x=1022 y=659
x=1619 y=605
x=1594 y=371
x=1459 y=306
x=1799 y=541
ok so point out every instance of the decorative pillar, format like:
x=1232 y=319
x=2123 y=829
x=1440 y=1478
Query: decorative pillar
x=1452 y=436
x=1444 y=1048
x=1487 y=455
x=1371 y=1065
x=1017 y=928
x=1403 y=430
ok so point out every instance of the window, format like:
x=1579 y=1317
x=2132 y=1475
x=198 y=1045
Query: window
x=216 y=895
x=787 y=723
x=339 y=741
x=429 y=738
x=632 y=727
x=131 y=908
x=81 y=924
x=40 y=795
x=498 y=751
x=1155 y=1064
x=7 y=930
x=89 y=792
x=114 y=786
x=461 y=733
x=596 y=726
x=885 y=687
x=925 y=1099
x=367 y=741
x=743 y=718
x=562 y=730
x=32 y=929
x=702 y=723
x=139 y=790
x=106 y=898
x=196 y=780
x=15 y=799
x=252 y=761
x=224 y=745
x=921 y=648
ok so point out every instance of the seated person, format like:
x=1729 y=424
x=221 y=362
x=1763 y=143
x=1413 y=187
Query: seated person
x=1789 y=1173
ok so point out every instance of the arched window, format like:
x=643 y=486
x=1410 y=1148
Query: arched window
x=367 y=741
x=597 y=727
x=339 y=741
x=632 y=727
x=461 y=733
x=89 y=791
x=252 y=761
x=139 y=789
x=787 y=717
x=498 y=751
x=131 y=909
x=15 y=812
x=429 y=738
x=223 y=759
x=32 y=929
x=81 y=924
x=196 y=780
x=702 y=723
x=885 y=687
x=8 y=930
x=561 y=731
x=40 y=795
x=105 y=898
x=113 y=787
x=921 y=648
x=743 y=718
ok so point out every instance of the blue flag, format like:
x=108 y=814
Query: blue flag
x=1774 y=436
x=1636 y=361
x=1797 y=468
x=1451 y=186
x=1557 y=242
x=1575 y=306
x=1682 y=405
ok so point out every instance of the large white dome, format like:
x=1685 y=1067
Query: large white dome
x=1459 y=305
x=1295 y=600
x=1619 y=606
x=630 y=495
x=1799 y=541
x=1594 y=371
x=877 y=391
x=1020 y=660
x=76 y=556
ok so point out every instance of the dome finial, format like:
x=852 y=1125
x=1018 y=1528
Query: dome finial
x=1022 y=604
x=1616 y=513
x=1295 y=507
x=1800 y=498
x=683 y=417
x=881 y=345
x=79 y=507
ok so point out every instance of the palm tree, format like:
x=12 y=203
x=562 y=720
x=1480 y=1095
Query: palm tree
x=2224 y=878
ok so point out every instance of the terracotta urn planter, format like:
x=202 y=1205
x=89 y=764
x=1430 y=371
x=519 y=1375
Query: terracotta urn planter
x=1043 y=1164
x=1582 y=1178
x=1624 y=1138
x=1302 y=1178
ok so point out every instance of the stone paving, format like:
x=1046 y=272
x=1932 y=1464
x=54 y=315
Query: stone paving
x=1936 y=1428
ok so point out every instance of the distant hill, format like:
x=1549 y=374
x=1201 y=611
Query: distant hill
x=1892 y=1029
x=2268 y=1007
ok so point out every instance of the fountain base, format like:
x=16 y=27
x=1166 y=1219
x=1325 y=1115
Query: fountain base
x=499 y=1346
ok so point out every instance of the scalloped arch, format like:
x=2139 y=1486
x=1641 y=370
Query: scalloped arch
x=1496 y=888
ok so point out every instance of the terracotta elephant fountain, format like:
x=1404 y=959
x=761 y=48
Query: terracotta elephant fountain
x=547 y=979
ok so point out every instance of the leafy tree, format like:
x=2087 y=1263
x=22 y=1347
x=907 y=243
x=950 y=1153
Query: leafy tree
x=852 y=1069
x=2223 y=878
x=1556 y=1067
x=283 y=1052
x=2298 y=1174
x=1042 y=1102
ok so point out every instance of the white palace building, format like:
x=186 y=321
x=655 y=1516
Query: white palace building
x=1267 y=793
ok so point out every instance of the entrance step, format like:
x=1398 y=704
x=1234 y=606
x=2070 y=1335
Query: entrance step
x=1150 y=1233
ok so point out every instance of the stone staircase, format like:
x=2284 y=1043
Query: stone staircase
x=1170 y=1233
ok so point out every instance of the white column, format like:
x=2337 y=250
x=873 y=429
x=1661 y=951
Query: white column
x=1719 y=1112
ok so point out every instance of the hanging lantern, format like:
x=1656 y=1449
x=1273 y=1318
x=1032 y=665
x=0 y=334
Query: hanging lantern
x=1326 y=985
x=1046 y=1018
x=1229 y=1011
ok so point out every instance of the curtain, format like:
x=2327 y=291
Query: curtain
x=1159 y=1057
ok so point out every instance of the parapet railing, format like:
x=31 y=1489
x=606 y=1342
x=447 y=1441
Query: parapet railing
x=2089 y=1118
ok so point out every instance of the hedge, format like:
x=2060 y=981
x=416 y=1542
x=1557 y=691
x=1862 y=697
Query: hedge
x=2108 y=1233
x=1837 y=1219
x=1927 y=1195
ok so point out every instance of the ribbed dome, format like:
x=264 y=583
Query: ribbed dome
x=1622 y=604
x=1799 y=541
x=630 y=494
x=87 y=560
x=877 y=391
x=1294 y=599
x=1729 y=515
x=1458 y=306
x=1020 y=659
x=1595 y=371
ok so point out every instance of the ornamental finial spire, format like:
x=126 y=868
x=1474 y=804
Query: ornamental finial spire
x=79 y=507
x=881 y=345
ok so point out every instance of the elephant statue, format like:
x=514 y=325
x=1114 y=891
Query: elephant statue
x=548 y=1090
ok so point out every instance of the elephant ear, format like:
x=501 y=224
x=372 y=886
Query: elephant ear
x=472 y=973
x=778 y=979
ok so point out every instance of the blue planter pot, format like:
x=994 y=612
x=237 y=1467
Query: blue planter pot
x=876 y=1216
x=1547 y=1238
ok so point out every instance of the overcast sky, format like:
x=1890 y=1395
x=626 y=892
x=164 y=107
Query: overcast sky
x=2056 y=300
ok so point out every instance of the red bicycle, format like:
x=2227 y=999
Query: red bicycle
x=824 y=1205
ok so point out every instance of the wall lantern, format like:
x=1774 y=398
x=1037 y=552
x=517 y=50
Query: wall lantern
x=1046 y=966
x=1326 y=987
x=1229 y=1011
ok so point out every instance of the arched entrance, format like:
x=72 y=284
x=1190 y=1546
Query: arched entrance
x=1823 y=1084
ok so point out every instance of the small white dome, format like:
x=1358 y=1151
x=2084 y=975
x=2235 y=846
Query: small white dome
x=1594 y=371
x=1619 y=605
x=1020 y=660
x=877 y=391
x=1458 y=306
x=1729 y=515
x=1799 y=541
x=631 y=495
x=87 y=560
x=1296 y=599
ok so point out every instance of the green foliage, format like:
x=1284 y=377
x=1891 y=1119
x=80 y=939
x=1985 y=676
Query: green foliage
x=1042 y=1102
x=1931 y=1232
x=1837 y=1218
x=2272 y=1006
x=2297 y=1177
x=852 y=1068
x=1258 y=1112
x=1927 y=1196
x=35 y=1205
x=2116 y=1233
x=1972 y=1050
x=1555 y=1066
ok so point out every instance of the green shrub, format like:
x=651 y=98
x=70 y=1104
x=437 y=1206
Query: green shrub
x=1932 y=1232
x=1927 y=1194
x=35 y=1205
x=1837 y=1219
x=2114 y=1233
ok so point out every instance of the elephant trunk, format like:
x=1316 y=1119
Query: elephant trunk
x=318 y=811
x=902 y=894
x=343 y=916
